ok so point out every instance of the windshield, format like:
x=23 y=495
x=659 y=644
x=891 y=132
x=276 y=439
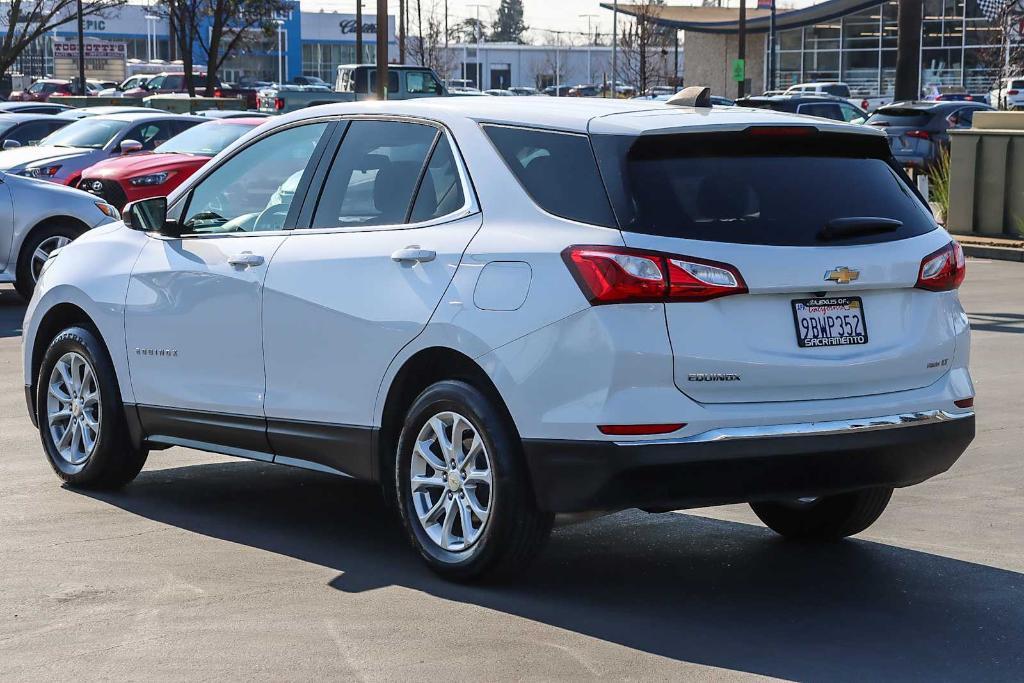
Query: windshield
x=91 y=132
x=206 y=140
x=746 y=189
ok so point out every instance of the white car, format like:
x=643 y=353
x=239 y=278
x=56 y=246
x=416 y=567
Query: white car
x=511 y=313
x=1008 y=95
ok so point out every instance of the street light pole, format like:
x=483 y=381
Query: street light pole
x=280 y=55
x=590 y=41
x=741 y=51
x=479 y=58
x=359 y=31
x=615 y=45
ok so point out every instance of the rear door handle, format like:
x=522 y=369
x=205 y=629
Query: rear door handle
x=246 y=259
x=414 y=254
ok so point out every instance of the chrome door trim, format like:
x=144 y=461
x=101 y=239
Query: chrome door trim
x=831 y=427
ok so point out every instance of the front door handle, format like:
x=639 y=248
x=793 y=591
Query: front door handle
x=413 y=254
x=246 y=259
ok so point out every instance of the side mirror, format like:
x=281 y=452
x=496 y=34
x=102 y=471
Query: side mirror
x=11 y=144
x=150 y=215
x=129 y=146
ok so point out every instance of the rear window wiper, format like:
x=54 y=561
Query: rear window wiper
x=841 y=228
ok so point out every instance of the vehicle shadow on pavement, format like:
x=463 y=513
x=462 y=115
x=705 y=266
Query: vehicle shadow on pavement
x=997 y=322
x=693 y=589
x=12 y=313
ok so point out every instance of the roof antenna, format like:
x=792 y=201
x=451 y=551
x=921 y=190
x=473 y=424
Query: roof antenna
x=694 y=96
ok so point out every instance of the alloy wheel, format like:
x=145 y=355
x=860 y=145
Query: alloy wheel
x=43 y=251
x=73 y=410
x=451 y=481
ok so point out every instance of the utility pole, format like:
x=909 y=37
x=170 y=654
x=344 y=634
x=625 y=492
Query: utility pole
x=590 y=41
x=382 y=49
x=401 y=31
x=615 y=44
x=81 y=51
x=741 y=51
x=771 y=49
x=908 y=50
x=359 y=31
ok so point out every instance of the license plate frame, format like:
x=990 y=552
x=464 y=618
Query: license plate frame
x=838 y=303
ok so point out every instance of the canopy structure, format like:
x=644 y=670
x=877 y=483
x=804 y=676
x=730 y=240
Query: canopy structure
x=726 y=19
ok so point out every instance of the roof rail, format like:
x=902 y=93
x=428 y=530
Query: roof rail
x=694 y=96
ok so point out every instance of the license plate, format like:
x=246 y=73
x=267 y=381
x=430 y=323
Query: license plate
x=830 y=321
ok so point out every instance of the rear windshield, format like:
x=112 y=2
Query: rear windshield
x=557 y=170
x=756 y=190
x=837 y=90
x=895 y=116
x=1017 y=84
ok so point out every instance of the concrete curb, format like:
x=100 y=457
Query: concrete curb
x=994 y=253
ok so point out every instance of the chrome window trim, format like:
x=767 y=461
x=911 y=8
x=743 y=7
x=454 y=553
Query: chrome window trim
x=826 y=428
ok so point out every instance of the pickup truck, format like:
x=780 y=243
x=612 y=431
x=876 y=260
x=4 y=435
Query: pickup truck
x=355 y=82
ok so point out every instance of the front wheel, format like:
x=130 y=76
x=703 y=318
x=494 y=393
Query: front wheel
x=36 y=249
x=463 y=492
x=826 y=518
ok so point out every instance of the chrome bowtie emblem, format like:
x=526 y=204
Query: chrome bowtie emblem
x=842 y=275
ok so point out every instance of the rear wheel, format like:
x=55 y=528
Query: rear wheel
x=825 y=518
x=462 y=489
x=80 y=414
x=36 y=249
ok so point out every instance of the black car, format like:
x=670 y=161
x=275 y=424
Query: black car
x=19 y=130
x=919 y=131
x=32 y=108
x=822 y=106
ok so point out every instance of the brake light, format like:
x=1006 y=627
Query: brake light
x=919 y=134
x=942 y=270
x=864 y=104
x=1012 y=92
x=781 y=131
x=218 y=92
x=639 y=430
x=611 y=275
x=279 y=103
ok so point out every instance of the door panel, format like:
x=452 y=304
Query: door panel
x=6 y=225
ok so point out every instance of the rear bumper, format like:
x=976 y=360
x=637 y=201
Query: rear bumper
x=747 y=464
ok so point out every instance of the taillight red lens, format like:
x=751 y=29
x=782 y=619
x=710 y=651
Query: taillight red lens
x=781 y=131
x=943 y=270
x=639 y=430
x=1012 y=92
x=964 y=402
x=919 y=134
x=279 y=103
x=611 y=275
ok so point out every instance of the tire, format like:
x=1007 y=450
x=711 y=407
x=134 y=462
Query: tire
x=112 y=461
x=513 y=531
x=828 y=518
x=47 y=238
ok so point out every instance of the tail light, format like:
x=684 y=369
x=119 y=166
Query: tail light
x=640 y=430
x=919 y=134
x=218 y=92
x=964 y=402
x=613 y=275
x=279 y=104
x=1013 y=92
x=942 y=270
x=864 y=104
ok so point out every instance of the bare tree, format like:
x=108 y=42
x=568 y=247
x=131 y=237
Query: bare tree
x=25 y=22
x=426 y=40
x=644 y=46
x=1004 y=56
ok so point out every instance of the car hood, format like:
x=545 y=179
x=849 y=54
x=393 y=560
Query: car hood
x=23 y=156
x=132 y=165
x=22 y=186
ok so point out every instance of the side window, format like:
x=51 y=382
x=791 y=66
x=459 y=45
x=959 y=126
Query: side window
x=31 y=133
x=557 y=170
x=155 y=83
x=151 y=133
x=851 y=114
x=823 y=110
x=253 y=190
x=392 y=81
x=440 y=191
x=374 y=174
x=178 y=82
x=421 y=83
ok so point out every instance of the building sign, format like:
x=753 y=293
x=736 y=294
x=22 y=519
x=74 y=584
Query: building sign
x=93 y=50
x=738 y=70
x=104 y=60
x=348 y=26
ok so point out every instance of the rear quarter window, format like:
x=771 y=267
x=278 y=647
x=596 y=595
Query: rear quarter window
x=558 y=171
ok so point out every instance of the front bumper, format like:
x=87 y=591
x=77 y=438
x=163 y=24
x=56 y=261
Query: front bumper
x=746 y=464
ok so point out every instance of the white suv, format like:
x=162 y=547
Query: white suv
x=1008 y=95
x=509 y=313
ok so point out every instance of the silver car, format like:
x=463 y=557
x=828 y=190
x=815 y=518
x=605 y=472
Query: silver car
x=62 y=156
x=38 y=217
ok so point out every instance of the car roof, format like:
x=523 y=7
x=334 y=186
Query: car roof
x=244 y=120
x=595 y=115
x=932 y=105
x=17 y=117
x=132 y=117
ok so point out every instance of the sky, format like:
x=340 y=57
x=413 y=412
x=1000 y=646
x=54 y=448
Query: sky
x=542 y=15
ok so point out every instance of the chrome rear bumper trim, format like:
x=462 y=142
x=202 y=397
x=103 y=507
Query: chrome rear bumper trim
x=866 y=424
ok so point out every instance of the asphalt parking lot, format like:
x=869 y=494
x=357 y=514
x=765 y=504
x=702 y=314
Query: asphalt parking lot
x=212 y=568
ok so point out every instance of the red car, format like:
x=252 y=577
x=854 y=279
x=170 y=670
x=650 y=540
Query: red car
x=41 y=90
x=154 y=174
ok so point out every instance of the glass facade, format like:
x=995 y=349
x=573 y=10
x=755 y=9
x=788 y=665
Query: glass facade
x=323 y=59
x=959 y=47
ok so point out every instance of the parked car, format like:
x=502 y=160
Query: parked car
x=919 y=131
x=169 y=84
x=557 y=90
x=86 y=112
x=716 y=100
x=41 y=90
x=585 y=91
x=866 y=102
x=720 y=101
x=963 y=97
x=35 y=219
x=136 y=176
x=63 y=155
x=312 y=82
x=1009 y=94
x=356 y=82
x=231 y=114
x=823 y=106
x=445 y=297
x=523 y=90
x=498 y=92
x=21 y=130
x=32 y=108
x=130 y=83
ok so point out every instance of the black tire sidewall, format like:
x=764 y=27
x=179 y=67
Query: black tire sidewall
x=23 y=274
x=508 y=492
x=109 y=441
